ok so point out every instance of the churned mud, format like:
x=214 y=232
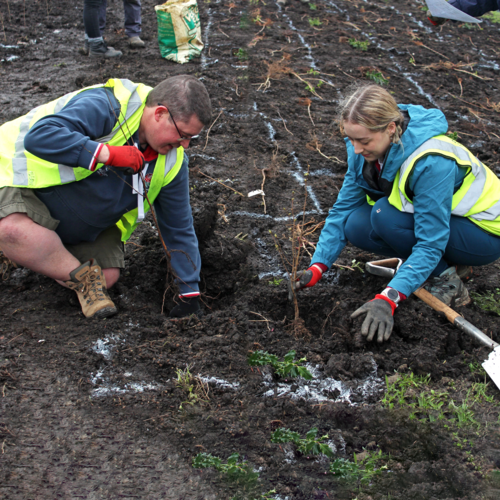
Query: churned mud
x=91 y=409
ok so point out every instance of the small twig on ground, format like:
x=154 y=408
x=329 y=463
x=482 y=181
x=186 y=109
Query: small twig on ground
x=213 y=123
x=460 y=83
x=472 y=113
x=3 y=28
x=221 y=183
x=8 y=10
x=283 y=121
x=311 y=87
x=420 y=44
x=309 y=111
x=473 y=74
x=262 y=187
x=333 y=158
x=264 y=319
x=223 y=33
x=236 y=87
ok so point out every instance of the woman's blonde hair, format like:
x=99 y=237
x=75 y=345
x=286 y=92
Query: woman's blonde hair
x=372 y=107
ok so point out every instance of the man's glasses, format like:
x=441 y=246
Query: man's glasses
x=181 y=137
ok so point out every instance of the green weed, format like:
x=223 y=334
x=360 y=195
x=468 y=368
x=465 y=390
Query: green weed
x=361 y=470
x=314 y=21
x=286 y=368
x=242 y=54
x=196 y=389
x=357 y=265
x=275 y=281
x=377 y=77
x=310 y=445
x=488 y=301
x=358 y=44
x=234 y=471
x=452 y=135
x=313 y=6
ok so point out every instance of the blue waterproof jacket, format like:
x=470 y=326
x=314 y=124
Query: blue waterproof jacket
x=434 y=180
x=476 y=8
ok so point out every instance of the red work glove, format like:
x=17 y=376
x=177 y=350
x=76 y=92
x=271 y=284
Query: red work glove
x=128 y=158
x=306 y=279
x=436 y=21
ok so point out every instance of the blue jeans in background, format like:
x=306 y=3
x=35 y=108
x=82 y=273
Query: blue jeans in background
x=94 y=17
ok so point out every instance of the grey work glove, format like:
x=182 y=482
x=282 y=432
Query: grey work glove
x=378 y=318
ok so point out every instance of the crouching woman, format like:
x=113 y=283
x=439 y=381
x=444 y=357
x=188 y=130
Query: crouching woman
x=411 y=192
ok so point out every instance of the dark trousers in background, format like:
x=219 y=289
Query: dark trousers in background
x=94 y=17
x=384 y=230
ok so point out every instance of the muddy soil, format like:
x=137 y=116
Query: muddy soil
x=91 y=409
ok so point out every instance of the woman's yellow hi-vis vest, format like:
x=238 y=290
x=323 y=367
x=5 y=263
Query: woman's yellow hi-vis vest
x=19 y=168
x=478 y=198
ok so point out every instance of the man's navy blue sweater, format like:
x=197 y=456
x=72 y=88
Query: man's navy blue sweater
x=85 y=208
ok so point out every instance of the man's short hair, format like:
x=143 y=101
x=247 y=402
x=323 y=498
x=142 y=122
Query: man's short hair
x=184 y=96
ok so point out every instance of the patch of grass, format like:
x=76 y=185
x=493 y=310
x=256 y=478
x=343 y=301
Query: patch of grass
x=313 y=6
x=429 y=405
x=493 y=16
x=286 y=368
x=489 y=301
x=310 y=445
x=314 y=21
x=362 y=470
x=377 y=77
x=357 y=44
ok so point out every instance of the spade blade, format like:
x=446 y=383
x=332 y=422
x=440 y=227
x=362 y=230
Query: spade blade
x=441 y=8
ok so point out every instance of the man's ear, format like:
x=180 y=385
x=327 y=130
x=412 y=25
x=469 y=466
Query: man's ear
x=159 y=112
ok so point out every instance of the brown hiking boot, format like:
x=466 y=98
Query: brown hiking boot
x=6 y=266
x=89 y=283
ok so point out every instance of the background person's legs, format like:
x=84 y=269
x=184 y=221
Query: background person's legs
x=132 y=10
x=91 y=21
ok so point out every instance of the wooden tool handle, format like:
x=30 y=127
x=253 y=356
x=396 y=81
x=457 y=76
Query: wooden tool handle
x=436 y=304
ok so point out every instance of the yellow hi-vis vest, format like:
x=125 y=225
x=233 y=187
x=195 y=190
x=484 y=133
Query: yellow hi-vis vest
x=478 y=198
x=19 y=168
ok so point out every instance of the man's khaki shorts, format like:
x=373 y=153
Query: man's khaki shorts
x=107 y=249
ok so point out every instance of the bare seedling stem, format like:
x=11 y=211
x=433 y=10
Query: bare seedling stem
x=310 y=117
x=284 y=123
x=262 y=188
x=221 y=183
x=213 y=123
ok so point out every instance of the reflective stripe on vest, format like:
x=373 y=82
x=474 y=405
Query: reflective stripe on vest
x=19 y=168
x=478 y=198
x=166 y=168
